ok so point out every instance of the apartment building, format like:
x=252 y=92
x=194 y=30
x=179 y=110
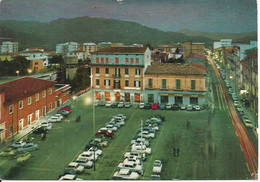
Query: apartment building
x=191 y=49
x=25 y=100
x=175 y=83
x=118 y=73
x=8 y=47
x=64 y=48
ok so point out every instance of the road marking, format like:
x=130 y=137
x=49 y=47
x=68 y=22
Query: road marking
x=219 y=106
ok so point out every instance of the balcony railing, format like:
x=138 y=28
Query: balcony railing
x=116 y=75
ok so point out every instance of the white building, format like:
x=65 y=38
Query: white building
x=222 y=43
x=89 y=47
x=9 y=47
x=79 y=54
x=67 y=47
x=36 y=54
x=244 y=47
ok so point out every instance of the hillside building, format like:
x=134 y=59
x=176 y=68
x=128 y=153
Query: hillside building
x=8 y=47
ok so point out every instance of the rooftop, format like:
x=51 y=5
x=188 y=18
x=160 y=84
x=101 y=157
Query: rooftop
x=24 y=87
x=122 y=50
x=176 y=69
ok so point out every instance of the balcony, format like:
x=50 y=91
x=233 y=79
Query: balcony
x=116 y=75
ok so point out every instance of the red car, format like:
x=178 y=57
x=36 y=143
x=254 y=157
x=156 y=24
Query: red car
x=154 y=106
x=106 y=134
x=66 y=109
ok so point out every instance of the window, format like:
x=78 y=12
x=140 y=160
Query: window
x=37 y=97
x=106 y=60
x=107 y=83
x=150 y=83
x=97 y=70
x=126 y=60
x=102 y=60
x=192 y=84
x=29 y=100
x=137 y=84
x=44 y=94
x=136 y=60
x=11 y=109
x=116 y=60
x=178 y=84
x=137 y=71
x=11 y=129
x=97 y=60
x=126 y=71
x=50 y=106
x=163 y=83
x=132 y=60
x=107 y=71
x=97 y=82
x=50 y=91
x=126 y=83
x=150 y=98
x=20 y=104
x=36 y=63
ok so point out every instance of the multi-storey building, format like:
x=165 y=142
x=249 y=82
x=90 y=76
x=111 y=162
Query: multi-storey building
x=103 y=45
x=25 y=100
x=190 y=48
x=67 y=47
x=36 y=56
x=175 y=83
x=222 y=43
x=9 y=47
x=118 y=73
x=89 y=48
x=79 y=54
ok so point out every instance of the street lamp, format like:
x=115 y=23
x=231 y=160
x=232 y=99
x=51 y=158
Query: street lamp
x=29 y=71
x=17 y=72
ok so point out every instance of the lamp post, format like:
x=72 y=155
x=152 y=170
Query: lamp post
x=17 y=72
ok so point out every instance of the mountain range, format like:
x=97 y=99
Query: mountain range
x=86 y=29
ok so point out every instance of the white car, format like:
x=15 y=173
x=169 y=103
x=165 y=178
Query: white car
x=111 y=128
x=132 y=166
x=146 y=134
x=47 y=125
x=96 y=103
x=239 y=108
x=120 y=122
x=84 y=162
x=154 y=126
x=141 y=105
x=141 y=148
x=120 y=105
x=183 y=107
x=18 y=144
x=121 y=116
x=97 y=151
x=125 y=174
x=141 y=140
x=247 y=123
x=55 y=119
x=70 y=177
x=128 y=104
x=132 y=159
x=76 y=167
x=88 y=155
x=103 y=129
x=168 y=106
x=108 y=104
x=137 y=154
x=236 y=103
x=197 y=107
x=157 y=166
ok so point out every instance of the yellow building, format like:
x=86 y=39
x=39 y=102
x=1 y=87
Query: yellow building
x=175 y=83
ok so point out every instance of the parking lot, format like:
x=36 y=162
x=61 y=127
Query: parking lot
x=208 y=147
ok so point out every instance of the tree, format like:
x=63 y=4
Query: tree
x=57 y=60
x=9 y=68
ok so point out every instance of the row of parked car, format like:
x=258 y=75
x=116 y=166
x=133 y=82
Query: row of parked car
x=93 y=150
x=168 y=106
x=132 y=167
x=237 y=104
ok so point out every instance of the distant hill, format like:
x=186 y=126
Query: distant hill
x=86 y=29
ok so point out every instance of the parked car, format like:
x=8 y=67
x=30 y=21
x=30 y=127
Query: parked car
x=67 y=171
x=183 y=107
x=101 y=142
x=120 y=105
x=147 y=106
x=70 y=177
x=40 y=130
x=101 y=103
x=175 y=106
x=154 y=120
x=111 y=128
x=108 y=104
x=189 y=107
x=91 y=144
x=239 y=108
x=132 y=159
x=88 y=155
x=128 y=104
x=97 y=151
x=63 y=113
x=122 y=116
x=154 y=126
x=141 y=148
x=234 y=97
x=141 y=105
x=67 y=108
x=154 y=106
x=96 y=103
x=157 y=166
x=84 y=162
x=247 y=122
x=197 y=108
x=114 y=105
x=236 y=103
x=155 y=177
x=28 y=147
x=138 y=139
x=75 y=167
x=125 y=174
x=131 y=166
x=162 y=106
x=55 y=119
x=168 y=106
x=138 y=154
x=47 y=125
x=106 y=134
x=18 y=144
x=146 y=134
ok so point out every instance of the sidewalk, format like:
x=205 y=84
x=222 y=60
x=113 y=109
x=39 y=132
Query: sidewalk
x=31 y=127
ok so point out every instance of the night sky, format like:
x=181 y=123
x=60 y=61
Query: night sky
x=229 y=16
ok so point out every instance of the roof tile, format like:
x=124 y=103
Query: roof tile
x=122 y=50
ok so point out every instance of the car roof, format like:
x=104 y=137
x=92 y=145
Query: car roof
x=123 y=171
x=73 y=164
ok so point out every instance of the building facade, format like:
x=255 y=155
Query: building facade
x=25 y=100
x=9 y=47
x=117 y=73
x=190 y=48
x=88 y=48
x=175 y=83
x=67 y=47
x=36 y=55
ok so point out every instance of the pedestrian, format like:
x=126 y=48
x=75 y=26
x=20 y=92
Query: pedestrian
x=178 y=152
